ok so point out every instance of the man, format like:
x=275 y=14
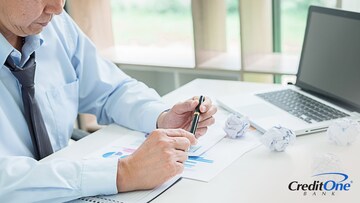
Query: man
x=70 y=77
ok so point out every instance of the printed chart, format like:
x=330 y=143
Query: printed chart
x=202 y=168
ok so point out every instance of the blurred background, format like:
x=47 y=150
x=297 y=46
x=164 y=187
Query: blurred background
x=167 y=44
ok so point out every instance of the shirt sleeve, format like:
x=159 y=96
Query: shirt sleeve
x=109 y=93
x=24 y=179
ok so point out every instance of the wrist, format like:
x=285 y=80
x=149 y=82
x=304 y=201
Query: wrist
x=160 y=120
x=123 y=179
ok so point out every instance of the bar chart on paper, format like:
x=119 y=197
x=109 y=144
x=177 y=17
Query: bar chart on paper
x=124 y=147
x=202 y=168
x=196 y=167
x=216 y=159
x=195 y=161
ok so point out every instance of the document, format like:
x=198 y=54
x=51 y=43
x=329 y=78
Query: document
x=204 y=167
x=128 y=143
x=213 y=136
x=213 y=156
x=213 y=161
x=220 y=156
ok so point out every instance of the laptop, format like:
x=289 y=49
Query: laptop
x=328 y=79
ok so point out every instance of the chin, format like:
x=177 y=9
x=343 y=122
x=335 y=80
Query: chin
x=38 y=32
x=34 y=30
x=29 y=33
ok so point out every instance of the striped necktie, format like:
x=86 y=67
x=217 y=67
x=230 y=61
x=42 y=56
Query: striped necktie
x=35 y=122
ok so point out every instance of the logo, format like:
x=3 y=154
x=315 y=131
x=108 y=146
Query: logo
x=334 y=182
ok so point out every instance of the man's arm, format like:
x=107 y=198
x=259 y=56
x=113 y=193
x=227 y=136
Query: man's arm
x=24 y=179
x=106 y=91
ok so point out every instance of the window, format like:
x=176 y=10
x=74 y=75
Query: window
x=289 y=32
x=293 y=15
x=217 y=34
x=177 y=33
x=154 y=32
x=203 y=34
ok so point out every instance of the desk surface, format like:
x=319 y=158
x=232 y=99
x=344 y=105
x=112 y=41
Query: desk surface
x=258 y=176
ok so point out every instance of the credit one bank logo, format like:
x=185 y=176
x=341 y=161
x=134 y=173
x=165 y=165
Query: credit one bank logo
x=333 y=183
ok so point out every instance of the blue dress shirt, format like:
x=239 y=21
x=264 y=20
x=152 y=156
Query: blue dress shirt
x=70 y=78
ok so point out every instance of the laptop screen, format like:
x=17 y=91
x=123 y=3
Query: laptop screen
x=330 y=58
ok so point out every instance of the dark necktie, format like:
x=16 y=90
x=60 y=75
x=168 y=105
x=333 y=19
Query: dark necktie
x=35 y=122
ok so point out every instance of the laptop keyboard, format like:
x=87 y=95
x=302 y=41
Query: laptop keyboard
x=302 y=106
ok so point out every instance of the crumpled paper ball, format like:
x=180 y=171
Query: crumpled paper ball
x=236 y=126
x=343 y=131
x=278 y=138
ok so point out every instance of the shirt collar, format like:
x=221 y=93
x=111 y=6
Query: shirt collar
x=32 y=43
x=5 y=50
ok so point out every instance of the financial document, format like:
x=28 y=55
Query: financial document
x=214 y=135
x=220 y=156
x=217 y=156
x=214 y=155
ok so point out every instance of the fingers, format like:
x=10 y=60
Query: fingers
x=206 y=105
x=207 y=122
x=208 y=114
x=173 y=167
x=181 y=143
x=190 y=105
x=180 y=156
x=181 y=133
x=200 y=132
x=179 y=167
x=186 y=106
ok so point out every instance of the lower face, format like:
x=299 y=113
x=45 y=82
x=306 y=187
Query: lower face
x=23 y=17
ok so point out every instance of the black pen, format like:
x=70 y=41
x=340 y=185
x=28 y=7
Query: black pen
x=196 y=117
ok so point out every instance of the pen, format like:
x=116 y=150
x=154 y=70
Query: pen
x=196 y=117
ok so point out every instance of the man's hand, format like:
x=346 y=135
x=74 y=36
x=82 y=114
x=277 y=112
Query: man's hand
x=158 y=159
x=181 y=114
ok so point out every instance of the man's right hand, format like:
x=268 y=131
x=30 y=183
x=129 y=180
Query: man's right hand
x=159 y=158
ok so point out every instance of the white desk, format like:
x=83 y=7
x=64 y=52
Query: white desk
x=258 y=176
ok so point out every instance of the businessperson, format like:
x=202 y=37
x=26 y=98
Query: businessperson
x=50 y=71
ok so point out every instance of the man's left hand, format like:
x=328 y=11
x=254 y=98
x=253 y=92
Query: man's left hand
x=181 y=115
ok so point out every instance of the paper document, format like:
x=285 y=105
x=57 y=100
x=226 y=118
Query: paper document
x=220 y=156
x=127 y=144
x=213 y=161
x=203 y=167
x=214 y=135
